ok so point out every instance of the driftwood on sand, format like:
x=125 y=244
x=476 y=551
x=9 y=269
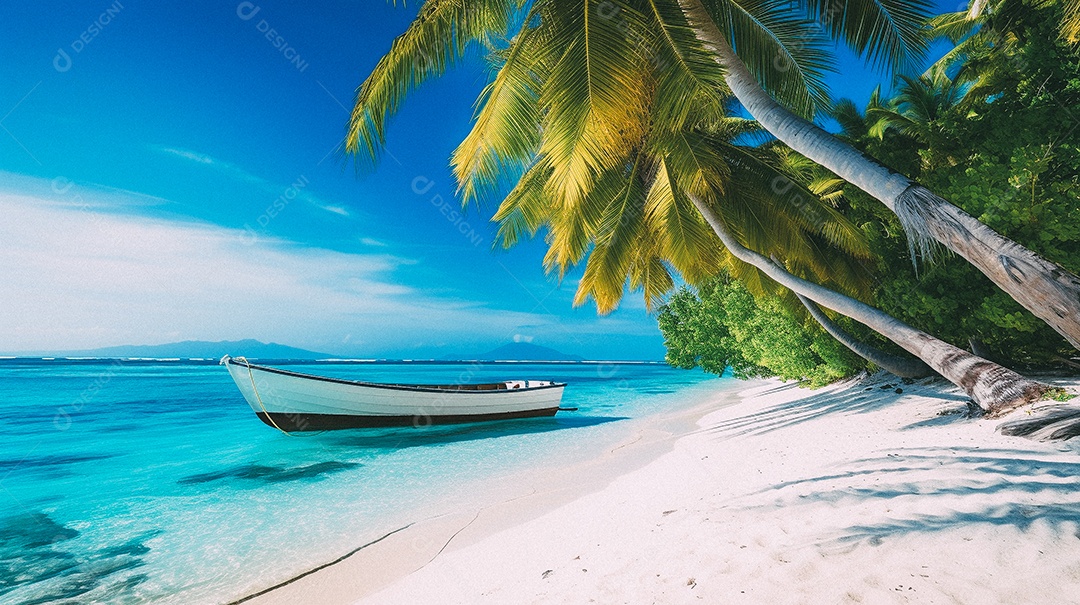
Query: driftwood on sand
x=1046 y=423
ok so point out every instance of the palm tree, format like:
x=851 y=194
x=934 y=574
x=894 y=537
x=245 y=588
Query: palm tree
x=903 y=367
x=630 y=226
x=993 y=387
x=974 y=34
x=969 y=21
x=915 y=112
x=916 y=106
x=883 y=31
x=613 y=126
x=855 y=123
x=778 y=49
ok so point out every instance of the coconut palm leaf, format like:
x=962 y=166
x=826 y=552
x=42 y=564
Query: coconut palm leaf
x=526 y=208
x=574 y=221
x=435 y=41
x=701 y=168
x=819 y=181
x=666 y=233
x=917 y=106
x=506 y=129
x=617 y=236
x=889 y=33
x=684 y=239
x=594 y=98
x=1070 y=25
x=784 y=50
x=650 y=274
x=763 y=173
x=688 y=79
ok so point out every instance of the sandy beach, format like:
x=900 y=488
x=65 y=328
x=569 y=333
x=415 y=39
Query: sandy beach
x=869 y=491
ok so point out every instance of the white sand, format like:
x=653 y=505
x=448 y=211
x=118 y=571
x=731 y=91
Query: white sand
x=847 y=494
x=479 y=510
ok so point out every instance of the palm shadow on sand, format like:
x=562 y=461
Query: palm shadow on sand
x=955 y=486
x=851 y=400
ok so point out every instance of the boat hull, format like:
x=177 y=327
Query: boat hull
x=292 y=401
x=328 y=422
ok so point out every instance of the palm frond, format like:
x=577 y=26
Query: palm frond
x=688 y=79
x=435 y=40
x=649 y=272
x=1070 y=24
x=769 y=186
x=917 y=105
x=954 y=27
x=616 y=237
x=594 y=97
x=852 y=122
x=701 y=168
x=889 y=33
x=682 y=235
x=506 y=132
x=817 y=180
x=575 y=221
x=787 y=54
x=526 y=208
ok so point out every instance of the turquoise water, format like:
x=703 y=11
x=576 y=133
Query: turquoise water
x=140 y=482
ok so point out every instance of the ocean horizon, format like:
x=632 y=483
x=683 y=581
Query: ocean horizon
x=139 y=480
x=31 y=359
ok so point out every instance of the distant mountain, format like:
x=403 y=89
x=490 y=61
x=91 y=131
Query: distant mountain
x=520 y=351
x=200 y=348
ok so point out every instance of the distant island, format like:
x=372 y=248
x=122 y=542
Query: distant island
x=518 y=351
x=196 y=349
x=254 y=349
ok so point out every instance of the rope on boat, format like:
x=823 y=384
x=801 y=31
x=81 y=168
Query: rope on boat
x=259 y=399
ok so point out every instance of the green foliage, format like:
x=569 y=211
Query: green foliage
x=723 y=325
x=1058 y=394
x=1011 y=158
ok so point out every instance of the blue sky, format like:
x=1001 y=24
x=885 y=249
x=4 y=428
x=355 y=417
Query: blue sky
x=168 y=172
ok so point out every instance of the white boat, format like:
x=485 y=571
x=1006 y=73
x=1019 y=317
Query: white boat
x=291 y=401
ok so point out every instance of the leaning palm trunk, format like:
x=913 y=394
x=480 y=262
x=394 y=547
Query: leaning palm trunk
x=996 y=389
x=1042 y=287
x=900 y=366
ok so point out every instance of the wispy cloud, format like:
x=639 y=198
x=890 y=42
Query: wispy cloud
x=240 y=174
x=335 y=209
x=86 y=277
x=189 y=155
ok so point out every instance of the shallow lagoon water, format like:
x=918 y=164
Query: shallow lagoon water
x=140 y=482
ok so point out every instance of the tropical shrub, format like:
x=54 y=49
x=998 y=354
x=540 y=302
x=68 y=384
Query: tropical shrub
x=722 y=325
x=1011 y=158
